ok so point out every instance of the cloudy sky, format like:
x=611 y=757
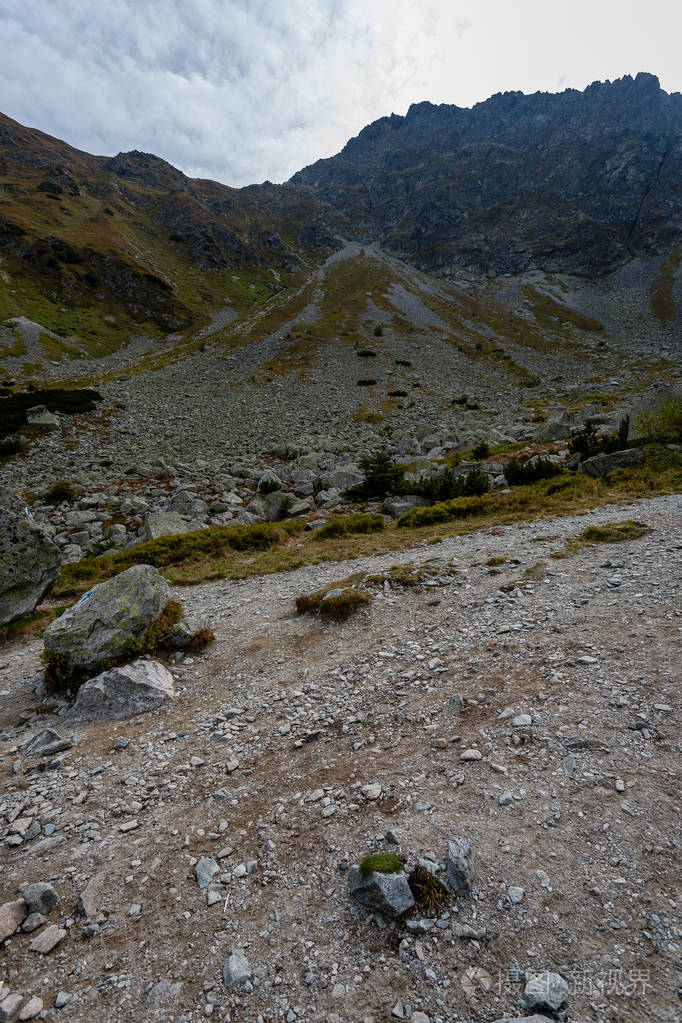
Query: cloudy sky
x=247 y=90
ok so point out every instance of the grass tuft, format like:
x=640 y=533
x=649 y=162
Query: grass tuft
x=615 y=532
x=381 y=863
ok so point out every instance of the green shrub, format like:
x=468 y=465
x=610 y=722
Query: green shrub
x=382 y=476
x=481 y=450
x=447 y=485
x=662 y=424
x=378 y=330
x=518 y=472
x=60 y=490
x=366 y=382
x=9 y=447
x=588 y=443
x=446 y=511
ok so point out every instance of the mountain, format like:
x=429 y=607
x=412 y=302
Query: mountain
x=92 y=243
x=579 y=182
x=118 y=261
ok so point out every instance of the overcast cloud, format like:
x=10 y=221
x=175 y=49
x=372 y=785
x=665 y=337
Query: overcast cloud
x=244 y=90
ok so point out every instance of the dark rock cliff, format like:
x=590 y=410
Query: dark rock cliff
x=578 y=182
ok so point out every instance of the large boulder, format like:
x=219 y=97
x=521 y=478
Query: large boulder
x=123 y=692
x=29 y=560
x=101 y=626
x=602 y=465
x=42 y=418
x=388 y=894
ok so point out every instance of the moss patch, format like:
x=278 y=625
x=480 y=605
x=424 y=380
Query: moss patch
x=381 y=863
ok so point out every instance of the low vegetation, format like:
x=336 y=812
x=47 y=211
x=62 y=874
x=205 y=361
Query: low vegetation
x=518 y=472
x=337 y=601
x=381 y=863
x=236 y=552
x=347 y=524
x=587 y=442
x=615 y=532
x=662 y=424
x=382 y=476
x=429 y=892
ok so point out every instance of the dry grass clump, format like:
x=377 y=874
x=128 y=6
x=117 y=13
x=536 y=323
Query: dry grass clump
x=337 y=601
x=615 y=532
x=429 y=893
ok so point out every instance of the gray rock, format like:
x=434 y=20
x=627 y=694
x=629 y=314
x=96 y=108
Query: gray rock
x=33 y=1008
x=388 y=894
x=104 y=621
x=397 y=506
x=11 y=915
x=269 y=481
x=163 y=993
x=460 y=869
x=547 y=991
x=40 y=897
x=123 y=692
x=37 y=744
x=41 y=417
x=205 y=870
x=32 y=922
x=9 y=1007
x=62 y=999
x=188 y=504
x=29 y=560
x=47 y=939
x=602 y=465
x=159 y=524
x=236 y=970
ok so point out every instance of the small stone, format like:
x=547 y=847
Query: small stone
x=47 y=939
x=205 y=870
x=62 y=999
x=522 y=721
x=11 y=915
x=546 y=991
x=419 y=1017
x=620 y=785
x=515 y=894
x=33 y=1007
x=460 y=868
x=506 y=798
x=32 y=922
x=471 y=754
x=40 y=897
x=397 y=1011
x=9 y=1007
x=371 y=792
x=586 y=661
x=236 y=970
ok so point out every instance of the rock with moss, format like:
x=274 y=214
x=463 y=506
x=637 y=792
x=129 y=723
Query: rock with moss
x=108 y=621
x=159 y=524
x=602 y=464
x=380 y=883
x=123 y=692
x=29 y=560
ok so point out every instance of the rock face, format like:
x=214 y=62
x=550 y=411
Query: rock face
x=29 y=560
x=578 y=182
x=123 y=692
x=388 y=894
x=102 y=623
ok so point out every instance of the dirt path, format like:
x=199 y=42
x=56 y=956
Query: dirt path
x=261 y=762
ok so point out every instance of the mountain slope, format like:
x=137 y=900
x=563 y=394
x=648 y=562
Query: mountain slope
x=574 y=183
x=93 y=246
